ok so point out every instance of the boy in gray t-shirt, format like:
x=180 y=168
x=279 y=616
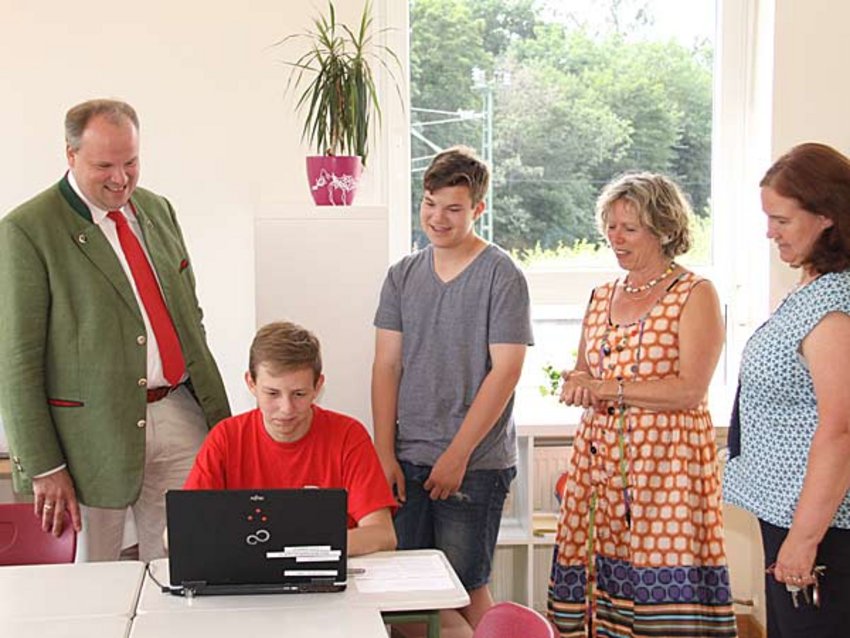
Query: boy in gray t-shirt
x=452 y=329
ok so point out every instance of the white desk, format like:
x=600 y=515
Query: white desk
x=310 y=622
x=152 y=600
x=93 y=627
x=408 y=597
x=48 y=592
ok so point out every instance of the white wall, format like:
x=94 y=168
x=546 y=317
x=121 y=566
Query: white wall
x=323 y=268
x=218 y=137
x=811 y=95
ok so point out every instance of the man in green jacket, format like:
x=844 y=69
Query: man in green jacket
x=107 y=385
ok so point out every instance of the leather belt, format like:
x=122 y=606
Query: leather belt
x=158 y=394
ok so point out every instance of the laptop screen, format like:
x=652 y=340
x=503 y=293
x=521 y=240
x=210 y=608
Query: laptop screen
x=245 y=538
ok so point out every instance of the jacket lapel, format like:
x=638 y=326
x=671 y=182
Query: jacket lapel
x=92 y=243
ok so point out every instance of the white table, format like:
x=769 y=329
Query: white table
x=409 y=597
x=407 y=603
x=152 y=600
x=308 y=622
x=409 y=586
x=91 y=627
x=50 y=592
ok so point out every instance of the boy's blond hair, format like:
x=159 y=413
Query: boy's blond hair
x=283 y=346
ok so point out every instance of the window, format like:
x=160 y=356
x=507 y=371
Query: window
x=559 y=98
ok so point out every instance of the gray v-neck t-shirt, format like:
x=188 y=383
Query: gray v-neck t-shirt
x=447 y=328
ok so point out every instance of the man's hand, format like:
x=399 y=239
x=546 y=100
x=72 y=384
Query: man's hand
x=395 y=476
x=446 y=475
x=54 y=494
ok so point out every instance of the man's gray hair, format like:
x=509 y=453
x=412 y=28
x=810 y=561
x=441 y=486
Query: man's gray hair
x=78 y=117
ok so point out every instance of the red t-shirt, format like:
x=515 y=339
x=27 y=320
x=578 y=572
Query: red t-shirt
x=336 y=452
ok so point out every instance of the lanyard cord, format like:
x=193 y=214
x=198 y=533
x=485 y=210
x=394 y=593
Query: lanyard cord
x=622 y=429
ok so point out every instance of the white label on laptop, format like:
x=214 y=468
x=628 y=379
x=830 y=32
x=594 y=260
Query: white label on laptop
x=306 y=550
x=308 y=553
x=330 y=556
x=309 y=572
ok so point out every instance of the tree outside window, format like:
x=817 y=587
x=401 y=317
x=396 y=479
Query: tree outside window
x=562 y=96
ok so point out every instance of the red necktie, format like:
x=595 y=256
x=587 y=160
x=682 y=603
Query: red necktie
x=173 y=364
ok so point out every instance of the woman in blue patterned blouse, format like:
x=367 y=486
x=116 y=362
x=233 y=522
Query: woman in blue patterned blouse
x=792 y=469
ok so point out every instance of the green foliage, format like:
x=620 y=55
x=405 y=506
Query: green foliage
x=585 y=102
x=700 y=252
x=448 y=42
x=553 y=380
x=583 y=253
x=505 y=22
x=340 y=98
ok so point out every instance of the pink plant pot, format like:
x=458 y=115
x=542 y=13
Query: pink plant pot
x=333 y=178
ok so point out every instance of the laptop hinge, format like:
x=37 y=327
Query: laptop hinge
x=192 y=587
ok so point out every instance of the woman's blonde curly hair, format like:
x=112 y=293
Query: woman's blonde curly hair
x=660 y=204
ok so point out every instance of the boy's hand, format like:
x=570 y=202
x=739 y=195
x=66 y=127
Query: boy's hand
x=395 y=476
x=446 y=475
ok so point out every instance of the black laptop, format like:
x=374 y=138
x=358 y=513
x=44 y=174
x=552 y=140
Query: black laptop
x=256 y=541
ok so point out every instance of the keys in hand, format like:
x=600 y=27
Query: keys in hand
x=817 y=571
x=794 y=590
x=814 y=597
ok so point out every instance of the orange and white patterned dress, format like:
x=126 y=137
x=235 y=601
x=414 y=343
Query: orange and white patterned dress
x=640 y=538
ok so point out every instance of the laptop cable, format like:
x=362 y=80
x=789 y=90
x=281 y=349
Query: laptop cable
x=168 y=589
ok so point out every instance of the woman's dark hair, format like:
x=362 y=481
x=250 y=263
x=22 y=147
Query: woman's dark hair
x=818 y=177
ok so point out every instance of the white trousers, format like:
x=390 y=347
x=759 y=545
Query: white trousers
x=175 y=428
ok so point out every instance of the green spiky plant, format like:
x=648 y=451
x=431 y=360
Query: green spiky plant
x=339 y=98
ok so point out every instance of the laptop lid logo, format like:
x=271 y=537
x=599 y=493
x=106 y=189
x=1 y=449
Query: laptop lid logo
x=260 y=536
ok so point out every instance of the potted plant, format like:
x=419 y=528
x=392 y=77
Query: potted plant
x=335 y=86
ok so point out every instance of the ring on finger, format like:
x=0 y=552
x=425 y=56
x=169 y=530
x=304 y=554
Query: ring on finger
x=48 y=506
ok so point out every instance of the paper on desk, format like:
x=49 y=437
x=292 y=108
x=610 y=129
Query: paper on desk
x=402 y=573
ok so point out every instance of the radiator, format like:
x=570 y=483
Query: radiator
x=549 y=463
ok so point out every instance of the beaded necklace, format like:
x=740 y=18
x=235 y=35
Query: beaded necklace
x=606 y=350
x=649 y=284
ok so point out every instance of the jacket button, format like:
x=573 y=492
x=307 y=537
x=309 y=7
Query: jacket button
x=140 y=423
x=142 y=382
x=141 y=340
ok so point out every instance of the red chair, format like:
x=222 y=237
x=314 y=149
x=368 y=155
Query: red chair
x=23 y=543
x=510 y=620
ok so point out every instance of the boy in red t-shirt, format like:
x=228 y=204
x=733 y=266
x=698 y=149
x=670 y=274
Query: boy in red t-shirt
x=288 y=442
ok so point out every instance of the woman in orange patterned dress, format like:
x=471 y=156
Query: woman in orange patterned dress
x=640 y=538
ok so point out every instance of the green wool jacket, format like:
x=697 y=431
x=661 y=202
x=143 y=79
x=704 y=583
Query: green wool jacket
x=73 y=357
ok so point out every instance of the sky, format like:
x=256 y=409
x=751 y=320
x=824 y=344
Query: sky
x=684 y=20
